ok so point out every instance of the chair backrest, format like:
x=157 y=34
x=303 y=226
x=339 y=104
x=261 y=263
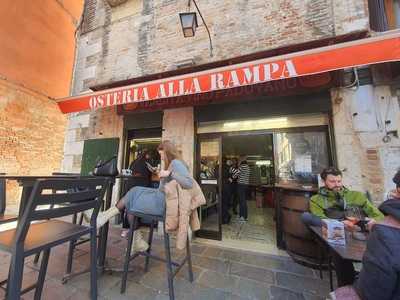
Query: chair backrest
x=65 y=174
x=130 y=182
x=2 y=194
x=55 y=198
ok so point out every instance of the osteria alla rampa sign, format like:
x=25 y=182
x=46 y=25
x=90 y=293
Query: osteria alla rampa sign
x=195 y=85
x=292 y=65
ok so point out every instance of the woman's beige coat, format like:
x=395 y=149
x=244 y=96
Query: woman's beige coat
x=181 y=210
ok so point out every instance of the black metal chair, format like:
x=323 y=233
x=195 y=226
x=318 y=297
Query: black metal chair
x=4 y=218
x=74 y=221
x=169 y=263
x=29 y=239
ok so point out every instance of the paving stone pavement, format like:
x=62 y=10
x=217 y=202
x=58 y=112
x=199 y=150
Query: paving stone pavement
x=218 y=274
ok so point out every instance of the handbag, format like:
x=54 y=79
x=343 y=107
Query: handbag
x=106 y=168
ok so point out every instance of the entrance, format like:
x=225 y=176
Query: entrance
x=259 y=226
x=282 y=151
x=217 y=155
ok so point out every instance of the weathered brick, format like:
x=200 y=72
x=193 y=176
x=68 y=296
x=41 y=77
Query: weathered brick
x=32 y=142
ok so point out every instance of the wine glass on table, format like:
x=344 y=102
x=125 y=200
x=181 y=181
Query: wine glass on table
x=352 y=216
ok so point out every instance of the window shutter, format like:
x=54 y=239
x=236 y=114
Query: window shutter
x=377 y=15
x=89 y=13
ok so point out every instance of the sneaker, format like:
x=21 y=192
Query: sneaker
x=241 y=220
x=124 y=233
x=87 y=215
x=104 y=216
x=139 y=244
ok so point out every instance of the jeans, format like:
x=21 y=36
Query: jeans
x=234 y=198
x=145 y=200
x=226 y=196
x=242 y=191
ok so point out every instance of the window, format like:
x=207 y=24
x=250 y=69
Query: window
x=300 y=156
x=384 y=14
x=89 y=16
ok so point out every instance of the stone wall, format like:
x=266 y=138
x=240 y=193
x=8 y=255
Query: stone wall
x=104 y=123
x=144 y=37
x=350 y=15
x=141 y=37
x=178 y=125
x=32 y=132
x=359 y=116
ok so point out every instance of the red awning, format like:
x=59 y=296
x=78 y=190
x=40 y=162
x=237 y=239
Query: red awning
x=379 y=49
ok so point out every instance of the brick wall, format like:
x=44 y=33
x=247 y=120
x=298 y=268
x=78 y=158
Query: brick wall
x=31 y=134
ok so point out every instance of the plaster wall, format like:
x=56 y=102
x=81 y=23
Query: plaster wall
x=359 y=116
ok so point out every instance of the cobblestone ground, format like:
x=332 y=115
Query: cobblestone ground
x=219 y=274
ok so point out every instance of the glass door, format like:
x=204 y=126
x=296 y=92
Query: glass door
x=209 y=157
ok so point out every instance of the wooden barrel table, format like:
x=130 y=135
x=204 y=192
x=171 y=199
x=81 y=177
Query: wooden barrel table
x=292 y=235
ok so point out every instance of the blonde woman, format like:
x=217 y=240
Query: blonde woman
x=150 y=200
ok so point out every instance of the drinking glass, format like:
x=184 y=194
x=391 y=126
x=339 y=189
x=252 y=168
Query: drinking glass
x=353 y=215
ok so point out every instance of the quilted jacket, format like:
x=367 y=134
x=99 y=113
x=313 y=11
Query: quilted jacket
x=181 y=210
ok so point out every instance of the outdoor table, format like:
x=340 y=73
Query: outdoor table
x=352 y=251
x=27 y=183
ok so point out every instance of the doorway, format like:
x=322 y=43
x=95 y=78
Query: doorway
x=257 y=151
x=216 y=152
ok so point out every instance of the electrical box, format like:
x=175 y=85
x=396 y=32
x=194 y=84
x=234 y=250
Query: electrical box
x=363 y=110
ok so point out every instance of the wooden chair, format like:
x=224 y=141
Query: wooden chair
x=29 y=239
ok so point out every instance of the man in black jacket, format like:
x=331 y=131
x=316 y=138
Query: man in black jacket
x=380 y=274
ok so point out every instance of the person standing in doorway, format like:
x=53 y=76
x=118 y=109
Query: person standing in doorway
x=243 y=183
x=226 y=191
x=233 y=178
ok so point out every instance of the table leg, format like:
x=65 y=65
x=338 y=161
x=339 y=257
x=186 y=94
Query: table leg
x=330 y=271
x=103 y=234
x=345 y=273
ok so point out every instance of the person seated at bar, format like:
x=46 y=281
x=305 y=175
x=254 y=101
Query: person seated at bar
x=333 y=201
x=380 y=274
x=150 y=200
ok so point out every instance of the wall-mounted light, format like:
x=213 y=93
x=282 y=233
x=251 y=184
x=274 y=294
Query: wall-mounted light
x=189 y=23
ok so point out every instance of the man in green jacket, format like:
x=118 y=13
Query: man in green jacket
x=334 y=201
